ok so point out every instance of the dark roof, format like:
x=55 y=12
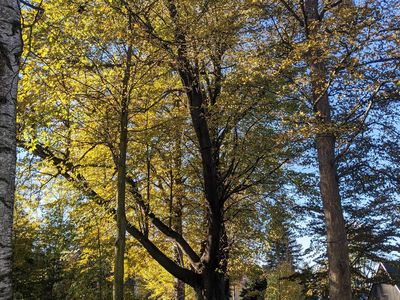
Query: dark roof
x=393 y=270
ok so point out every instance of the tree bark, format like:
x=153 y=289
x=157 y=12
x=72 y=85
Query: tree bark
x=338 y=252
x=10 y=53
x=118 y=293
x=214 y=286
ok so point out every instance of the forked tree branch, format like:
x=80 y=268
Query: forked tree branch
x=166 y=230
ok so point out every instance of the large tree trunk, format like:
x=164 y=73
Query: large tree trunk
x=10 y=53
x=215 y=286
x=121 y=185
x=214 y=283
x=338 y=252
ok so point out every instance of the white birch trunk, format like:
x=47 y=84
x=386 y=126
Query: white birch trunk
x=10 y=52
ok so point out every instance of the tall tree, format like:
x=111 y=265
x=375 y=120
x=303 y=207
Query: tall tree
x=10 y=52
x=338 y=250
x=339 y=58
x=121 y=181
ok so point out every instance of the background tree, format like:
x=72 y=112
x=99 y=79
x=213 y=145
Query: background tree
x=345 y=35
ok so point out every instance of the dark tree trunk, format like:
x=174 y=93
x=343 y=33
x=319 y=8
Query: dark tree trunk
x=215 y=286
x=214 y=283
x=10 y=53
x=338 y=251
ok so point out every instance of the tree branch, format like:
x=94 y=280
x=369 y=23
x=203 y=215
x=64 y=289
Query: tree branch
x=66 y=168
x=166 y=230
x=290 y=9
x=191 y=278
